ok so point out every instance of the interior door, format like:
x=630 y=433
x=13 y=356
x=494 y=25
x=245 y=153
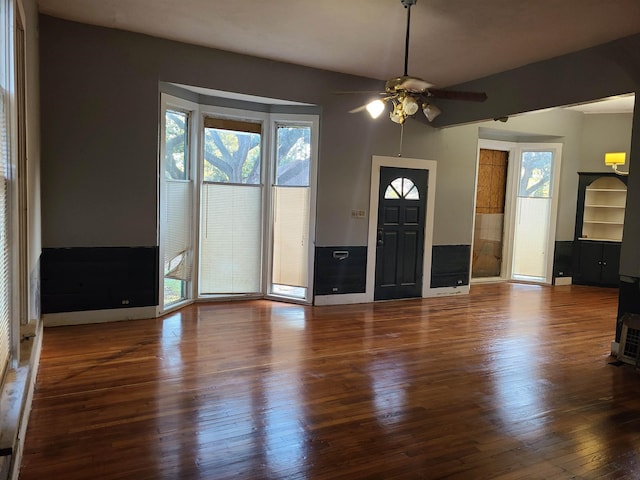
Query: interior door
x=400 y=233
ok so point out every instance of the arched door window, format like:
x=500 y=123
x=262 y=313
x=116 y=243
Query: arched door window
x=402 y=187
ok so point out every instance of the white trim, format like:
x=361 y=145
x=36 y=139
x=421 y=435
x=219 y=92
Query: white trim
x=342 y=299
x=556 y=148
x=400 y=162
x=171 y=102
x=515 y=152
x=313 y=121
x=507 y=234
x=98 y=316
x=448 y=291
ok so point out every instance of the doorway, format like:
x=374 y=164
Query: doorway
x=489 y=221
x=536 y=201
x=515 y=214
x=418 y=172
x=402 y=195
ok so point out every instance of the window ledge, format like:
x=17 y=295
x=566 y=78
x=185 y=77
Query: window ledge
x=15 y=401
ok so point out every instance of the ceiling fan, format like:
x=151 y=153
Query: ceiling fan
x=409 y=94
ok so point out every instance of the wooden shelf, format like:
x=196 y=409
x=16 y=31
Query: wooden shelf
x=598 y=240
x=613 y=190
x=604 y=209
x=605 y=206
x=598 y=222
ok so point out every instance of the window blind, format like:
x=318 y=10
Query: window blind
x=177 y=248
x=231 y=235
x=5 y=290
x=290 y=236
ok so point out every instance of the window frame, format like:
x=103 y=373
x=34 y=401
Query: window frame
x=170 y=102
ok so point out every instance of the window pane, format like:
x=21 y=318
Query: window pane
x=402 y=188
x=535 y=174
x=176 y=130
x=293 y=155
x=231 y=156
x=413 y=193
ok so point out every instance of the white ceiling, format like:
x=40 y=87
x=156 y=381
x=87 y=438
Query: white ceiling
x=452 y=41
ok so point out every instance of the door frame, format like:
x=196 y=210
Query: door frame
x=515 y=150
x=400 y=162
x=507 y=234
x=555 y=192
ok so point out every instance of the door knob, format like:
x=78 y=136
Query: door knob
x=380 y=240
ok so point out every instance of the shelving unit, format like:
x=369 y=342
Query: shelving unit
x=604 y=208
x=599 y=225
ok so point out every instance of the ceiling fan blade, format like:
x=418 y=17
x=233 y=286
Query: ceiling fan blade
x=357 y=92
x=457 y=95
x=361 y=108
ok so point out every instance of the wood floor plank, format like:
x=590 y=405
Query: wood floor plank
x=510 y=382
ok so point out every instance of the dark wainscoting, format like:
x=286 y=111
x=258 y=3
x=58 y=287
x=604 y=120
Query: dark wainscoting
x=450 y=265
x=340 y=270
x=96 y=278
x=628 y=300
x=563 y=259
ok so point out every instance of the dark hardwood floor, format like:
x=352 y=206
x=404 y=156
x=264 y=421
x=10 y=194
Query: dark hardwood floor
x=509 y=382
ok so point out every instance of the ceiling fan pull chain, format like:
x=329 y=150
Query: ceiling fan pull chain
x=401 y=135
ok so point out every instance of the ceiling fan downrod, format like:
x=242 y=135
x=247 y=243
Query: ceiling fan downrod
x=407 y=4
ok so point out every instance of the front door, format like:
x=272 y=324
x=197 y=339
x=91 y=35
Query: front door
x=400 y=235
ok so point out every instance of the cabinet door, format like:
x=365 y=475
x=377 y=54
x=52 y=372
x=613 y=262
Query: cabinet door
x=611 y=264
x=590 y=262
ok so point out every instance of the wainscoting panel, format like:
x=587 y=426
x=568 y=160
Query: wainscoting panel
x=340 y=270
x=96 y=278
x=450 y=265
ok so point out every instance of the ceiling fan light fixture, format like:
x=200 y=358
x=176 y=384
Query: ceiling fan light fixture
x=375 y=108
x=430 y=111
x=409 y=105
x=397 y=115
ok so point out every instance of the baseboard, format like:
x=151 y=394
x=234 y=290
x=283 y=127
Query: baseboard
x=98 y=316
x=342 y=299
x=346 y=299
x=562 y=281
x=615 y=348
x=446 y=291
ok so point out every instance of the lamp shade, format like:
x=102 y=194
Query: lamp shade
x=430 y=111
x=615 y=158
x=375 y=108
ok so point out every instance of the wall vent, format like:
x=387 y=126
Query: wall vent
x=629 y=351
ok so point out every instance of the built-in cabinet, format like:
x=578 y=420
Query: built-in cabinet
x=599 y=223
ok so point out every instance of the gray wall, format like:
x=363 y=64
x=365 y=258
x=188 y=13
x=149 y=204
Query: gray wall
x=601 y=134
x=100 y=108
x=598 y=72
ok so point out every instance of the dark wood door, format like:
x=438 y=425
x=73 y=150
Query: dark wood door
x=599 y=264
x=590 y=263
x=610 y=264
x=400 y=241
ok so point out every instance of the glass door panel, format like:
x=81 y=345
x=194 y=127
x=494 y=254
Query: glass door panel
x=532 y=245
x=290 y=197
x=231 y=208
x=178 y=208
